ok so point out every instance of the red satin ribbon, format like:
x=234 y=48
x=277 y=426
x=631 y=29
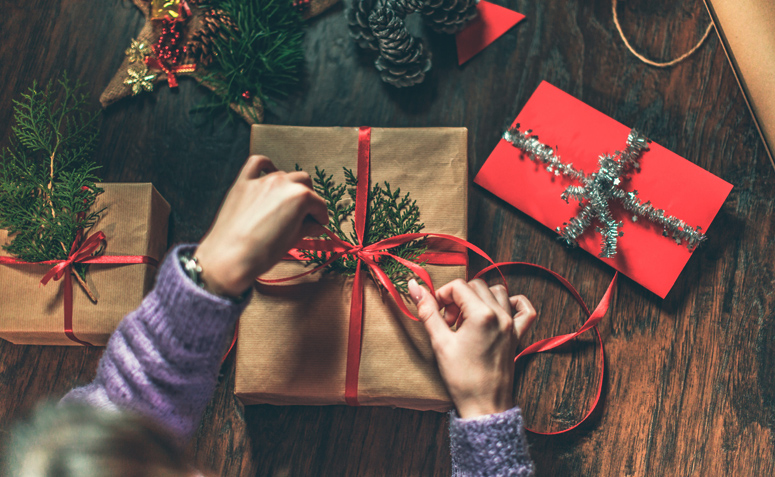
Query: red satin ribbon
x=370 y=255
x=63 y=268
x=172 y=80
x=549 y=344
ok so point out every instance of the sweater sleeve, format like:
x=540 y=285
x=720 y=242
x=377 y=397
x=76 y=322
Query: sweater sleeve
x=492 y=445
x=162 y=361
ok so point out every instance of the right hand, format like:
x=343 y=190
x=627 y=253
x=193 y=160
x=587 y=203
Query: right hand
x=262 y=217
x=476 y=360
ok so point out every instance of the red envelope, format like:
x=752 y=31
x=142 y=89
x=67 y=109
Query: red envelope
x=581 y=134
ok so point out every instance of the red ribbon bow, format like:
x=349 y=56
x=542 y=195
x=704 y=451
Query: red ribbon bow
x=86 y=250
x=172 y=80
x=79 y=254
x=371 y=254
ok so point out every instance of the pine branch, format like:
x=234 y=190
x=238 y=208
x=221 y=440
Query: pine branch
x=387 y=215
x=262 y=56
x=47 y=180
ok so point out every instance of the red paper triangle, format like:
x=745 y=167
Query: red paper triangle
x=492 y=22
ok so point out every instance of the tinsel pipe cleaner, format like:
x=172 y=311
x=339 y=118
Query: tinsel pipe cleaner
x=598 y=189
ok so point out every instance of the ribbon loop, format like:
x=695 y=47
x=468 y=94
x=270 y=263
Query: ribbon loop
x=549 y=344
x=87 y=248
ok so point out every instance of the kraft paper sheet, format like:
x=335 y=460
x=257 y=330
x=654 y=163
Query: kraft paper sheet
x=745 y=28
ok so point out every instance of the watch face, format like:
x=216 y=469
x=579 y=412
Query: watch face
x=191 y=267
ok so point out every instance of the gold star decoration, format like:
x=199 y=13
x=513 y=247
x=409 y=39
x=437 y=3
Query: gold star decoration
x=139 y=79
x=137 y=51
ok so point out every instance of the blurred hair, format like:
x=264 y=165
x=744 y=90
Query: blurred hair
x=78 y=440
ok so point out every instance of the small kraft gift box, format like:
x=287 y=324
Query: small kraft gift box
x=309 y=341
x=122 y=251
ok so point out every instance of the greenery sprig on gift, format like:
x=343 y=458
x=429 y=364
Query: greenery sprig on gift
x=388 y=214
x=258 y=52
x=47 y=180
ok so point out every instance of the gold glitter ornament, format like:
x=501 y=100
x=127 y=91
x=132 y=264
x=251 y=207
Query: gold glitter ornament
x=161 y=9
x=137 y=51
x=140 y=79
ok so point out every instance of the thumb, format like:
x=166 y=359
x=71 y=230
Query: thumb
x=428 y=310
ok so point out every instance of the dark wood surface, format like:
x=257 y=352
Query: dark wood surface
x=688 y=387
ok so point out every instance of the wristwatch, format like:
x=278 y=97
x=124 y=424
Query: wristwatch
x=191 y=267
x=193 y=270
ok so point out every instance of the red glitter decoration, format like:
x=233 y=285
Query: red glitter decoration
x=301 y=5
x=166 y=47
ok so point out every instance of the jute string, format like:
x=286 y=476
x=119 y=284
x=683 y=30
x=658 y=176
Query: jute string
x=651 y=62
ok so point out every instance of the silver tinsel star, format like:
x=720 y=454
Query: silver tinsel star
x=598 y=189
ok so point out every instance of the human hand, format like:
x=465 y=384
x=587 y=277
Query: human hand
x=476 y=361
x=261 y=218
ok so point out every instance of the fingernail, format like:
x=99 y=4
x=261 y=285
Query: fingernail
x=415 y=292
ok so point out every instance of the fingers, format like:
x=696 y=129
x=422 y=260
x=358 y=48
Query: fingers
x=301 y=177
x=452 y=311
x=311 y=203
x=311 y=228
x=428 y=311
x=525 y=314
x=316 y=207
x=485 y=294
x=502 y=297
x=460 y=294
x=476 y=301
x=255 y=165
x=451 y=314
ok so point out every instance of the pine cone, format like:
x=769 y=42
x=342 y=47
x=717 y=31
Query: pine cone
x=358 y=21
x=406 y=7
x=449 y=16
x=403 y=60
x=216 y=23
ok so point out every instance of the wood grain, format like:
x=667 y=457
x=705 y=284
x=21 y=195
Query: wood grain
x=688 y=384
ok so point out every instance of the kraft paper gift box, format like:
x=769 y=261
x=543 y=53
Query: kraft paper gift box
x=292 y=343
x=581 y=135
x=135 y=224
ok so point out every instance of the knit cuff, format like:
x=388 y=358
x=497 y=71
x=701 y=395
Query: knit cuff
x=491 y=445
x=198 y=319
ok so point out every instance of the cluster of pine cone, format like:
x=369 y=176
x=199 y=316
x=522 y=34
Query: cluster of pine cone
x=379 y=25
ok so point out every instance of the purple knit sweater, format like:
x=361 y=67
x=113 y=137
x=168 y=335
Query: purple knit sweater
x=163 y=360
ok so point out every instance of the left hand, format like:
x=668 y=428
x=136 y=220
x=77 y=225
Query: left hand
x=262 y=217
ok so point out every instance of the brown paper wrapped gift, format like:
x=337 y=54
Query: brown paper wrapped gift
x=135 y=223
x=292 y=345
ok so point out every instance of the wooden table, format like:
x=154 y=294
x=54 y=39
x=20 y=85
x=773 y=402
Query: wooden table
x=688 y=387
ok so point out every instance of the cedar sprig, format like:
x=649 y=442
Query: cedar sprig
x=388 y=214
x=44 y=170
x=264 y=56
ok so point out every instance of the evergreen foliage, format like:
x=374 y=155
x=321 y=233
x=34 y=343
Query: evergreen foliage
x=263 y=57
x=46 y=176
x=388 y=214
